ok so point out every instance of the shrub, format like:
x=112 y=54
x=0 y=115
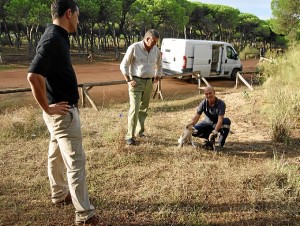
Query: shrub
x=282 y=91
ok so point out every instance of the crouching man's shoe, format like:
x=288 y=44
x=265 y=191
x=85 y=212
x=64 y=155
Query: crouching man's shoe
x=208 y=145
x=218 y=147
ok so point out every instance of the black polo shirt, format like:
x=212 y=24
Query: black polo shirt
x=211 y=113
x=53 y=61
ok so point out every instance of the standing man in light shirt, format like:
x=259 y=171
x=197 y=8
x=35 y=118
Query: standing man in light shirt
x=141 y=66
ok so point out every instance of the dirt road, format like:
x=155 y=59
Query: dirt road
x=109 y=71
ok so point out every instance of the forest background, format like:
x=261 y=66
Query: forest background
x=115 y=24
x=254 y=181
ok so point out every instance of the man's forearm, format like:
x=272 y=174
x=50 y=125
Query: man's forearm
x=195 y=119
x=127 y=78
x=38 y=87
x=219 y=123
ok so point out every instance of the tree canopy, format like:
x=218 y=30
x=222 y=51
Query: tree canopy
x=117 y=23
x=286 y=17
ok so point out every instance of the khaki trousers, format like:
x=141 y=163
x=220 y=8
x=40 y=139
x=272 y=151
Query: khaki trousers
x=139 y=97
x=66 y=152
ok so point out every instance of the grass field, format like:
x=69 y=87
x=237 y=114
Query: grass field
x=254 y=181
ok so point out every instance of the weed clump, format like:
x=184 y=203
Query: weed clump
x=282 y=94
x=25 y=123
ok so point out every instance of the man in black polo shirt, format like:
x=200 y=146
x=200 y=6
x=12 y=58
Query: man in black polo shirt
x=214 y=121
x=54 y=86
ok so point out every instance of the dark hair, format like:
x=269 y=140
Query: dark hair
x=59 y=7
x=152 y=33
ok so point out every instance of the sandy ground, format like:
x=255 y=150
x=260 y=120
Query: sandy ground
x=109 y=71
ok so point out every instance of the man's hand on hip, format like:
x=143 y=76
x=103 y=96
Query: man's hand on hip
x=132 y=83
x=60 y=108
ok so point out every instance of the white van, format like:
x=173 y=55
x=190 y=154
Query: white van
x=211 y=58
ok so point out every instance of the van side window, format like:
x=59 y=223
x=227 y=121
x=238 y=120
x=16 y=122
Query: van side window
x=230 y=52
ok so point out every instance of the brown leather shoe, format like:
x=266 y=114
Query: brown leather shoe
x=93 y=221
x=66 y=201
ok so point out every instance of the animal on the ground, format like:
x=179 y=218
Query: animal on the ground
x=186 y=137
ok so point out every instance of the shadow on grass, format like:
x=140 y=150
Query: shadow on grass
x=38 y=210
x=196 y=213
x=264 y=149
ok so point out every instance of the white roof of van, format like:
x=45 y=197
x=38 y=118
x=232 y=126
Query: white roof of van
x=195 y=40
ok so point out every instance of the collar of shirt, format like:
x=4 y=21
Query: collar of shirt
x=215 y=104
x=144 y=46
x=61 y=30
x=141 y=63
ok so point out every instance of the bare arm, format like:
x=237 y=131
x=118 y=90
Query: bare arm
x=158 y=72
x=38 y=87
x=195 y=119
x=125 y=64
x=219 y=123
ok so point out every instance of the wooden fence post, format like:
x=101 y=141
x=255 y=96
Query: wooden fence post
x=158 y=90
x=83 y=97
x=239 y=76
x=89 y=98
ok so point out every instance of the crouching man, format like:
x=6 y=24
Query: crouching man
x=214 y=122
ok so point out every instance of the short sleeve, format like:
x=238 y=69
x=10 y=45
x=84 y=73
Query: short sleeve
x=221 y=108
x=44 y=53
x=200 y=108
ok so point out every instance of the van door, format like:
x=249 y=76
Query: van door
x=230 y=61
x=202 y=59
x=216 y=63
x=172 y=55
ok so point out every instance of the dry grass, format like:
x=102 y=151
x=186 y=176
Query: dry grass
x=252 y=182
x=283 y=94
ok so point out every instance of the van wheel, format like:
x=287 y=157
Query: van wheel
x=233 y=74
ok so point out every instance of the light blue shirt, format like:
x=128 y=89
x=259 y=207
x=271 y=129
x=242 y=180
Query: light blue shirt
x=138 y=62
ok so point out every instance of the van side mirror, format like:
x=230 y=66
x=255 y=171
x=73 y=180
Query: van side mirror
x=236 y=56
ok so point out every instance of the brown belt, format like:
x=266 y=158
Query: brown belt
x=140 y=77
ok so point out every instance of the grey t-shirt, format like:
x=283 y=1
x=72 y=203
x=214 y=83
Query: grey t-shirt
x=211 y=113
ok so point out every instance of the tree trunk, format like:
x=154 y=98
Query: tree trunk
x=92 y=38
x=17 y=34
x=115 y=46
x=31 y=47
x=8 y=35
